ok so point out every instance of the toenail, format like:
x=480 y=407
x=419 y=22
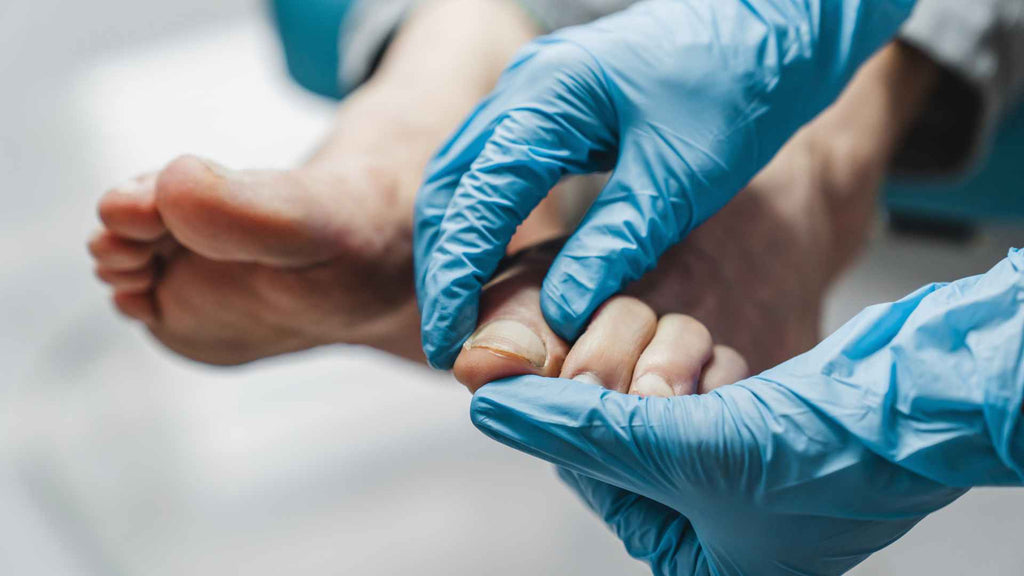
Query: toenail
x=512 y=339
x=588 y=378
x=212 y=166
x=132 y=186
x=652 y=385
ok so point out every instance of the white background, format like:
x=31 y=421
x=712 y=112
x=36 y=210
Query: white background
x=117 y=458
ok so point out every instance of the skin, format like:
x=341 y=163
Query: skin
x=227 y=267
x=717 y=309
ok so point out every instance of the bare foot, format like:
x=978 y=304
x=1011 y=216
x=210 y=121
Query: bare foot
x=228 y=267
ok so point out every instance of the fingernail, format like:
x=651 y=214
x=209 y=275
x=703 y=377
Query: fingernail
x=652 y=385
x=510 y=338
x=588 y=378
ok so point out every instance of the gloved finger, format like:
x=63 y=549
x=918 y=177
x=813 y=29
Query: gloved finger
x=667 y=449
x=651 y=532
x=443 y=174
x=454 y=159
x=432 y=201
x=526 y=155
x=641 y=212
x=447 y=167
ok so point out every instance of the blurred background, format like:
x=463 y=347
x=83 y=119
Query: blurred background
x=117 y=458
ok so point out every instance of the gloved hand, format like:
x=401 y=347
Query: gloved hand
x=686 y=99
x=811 y=466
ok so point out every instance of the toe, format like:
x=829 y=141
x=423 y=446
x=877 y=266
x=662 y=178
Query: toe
x=129 y=210
x=725 y=367
x=673 y=362
x=513 y=338
x=267 y=217
x=114 y=252
x=609 y=349
x=129 y=281
x=139 y=306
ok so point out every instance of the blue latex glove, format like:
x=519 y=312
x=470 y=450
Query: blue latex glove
x=811 y=466
x=686 y=99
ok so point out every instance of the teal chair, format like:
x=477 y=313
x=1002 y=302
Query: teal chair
x=995 y=192
x=309 y=32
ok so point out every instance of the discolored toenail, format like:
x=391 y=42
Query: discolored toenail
x=510 y=339
x=652 y=385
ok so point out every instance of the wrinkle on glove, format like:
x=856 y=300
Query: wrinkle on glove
x=811 y=466
x=686 y=99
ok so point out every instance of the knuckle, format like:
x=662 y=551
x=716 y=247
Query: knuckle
x=631 y=307
x=679 y=326
x=731 y=358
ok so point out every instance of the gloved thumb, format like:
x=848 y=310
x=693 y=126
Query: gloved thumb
x=651 y=532
x=654 y=447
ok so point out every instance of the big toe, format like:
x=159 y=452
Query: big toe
x=513 y=339
x=129 y=211
x=267 y=217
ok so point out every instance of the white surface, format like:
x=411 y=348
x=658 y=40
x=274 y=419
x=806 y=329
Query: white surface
x=117 y=458
x=121 y=459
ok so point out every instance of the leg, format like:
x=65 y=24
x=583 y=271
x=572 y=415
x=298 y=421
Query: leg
x=231 y=266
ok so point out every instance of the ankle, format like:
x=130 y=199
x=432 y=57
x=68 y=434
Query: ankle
x=436 y=51
x=437 y=69
x=857 y=137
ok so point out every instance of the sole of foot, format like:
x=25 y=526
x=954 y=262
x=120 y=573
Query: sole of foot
x=226 y=267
